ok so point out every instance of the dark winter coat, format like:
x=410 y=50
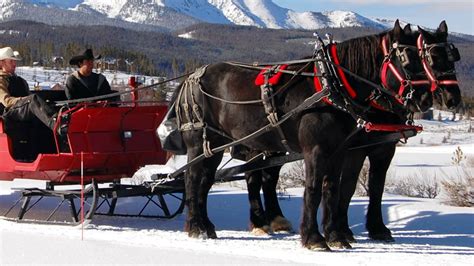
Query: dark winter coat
x=78 y=86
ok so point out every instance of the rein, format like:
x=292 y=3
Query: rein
x=316 y=97
x=257 y=66
x=341 y=69
x=111 y=95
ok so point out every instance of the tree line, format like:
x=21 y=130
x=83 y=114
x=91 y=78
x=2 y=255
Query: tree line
x=168 y=54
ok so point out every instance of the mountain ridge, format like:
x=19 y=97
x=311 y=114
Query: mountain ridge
x=177 y=14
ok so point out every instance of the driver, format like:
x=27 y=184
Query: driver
x=15 y=97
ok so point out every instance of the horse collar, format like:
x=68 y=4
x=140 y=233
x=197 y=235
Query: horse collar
x=340 y=74
x=331 y=52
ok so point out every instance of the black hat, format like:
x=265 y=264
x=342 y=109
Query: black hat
x=88 y=54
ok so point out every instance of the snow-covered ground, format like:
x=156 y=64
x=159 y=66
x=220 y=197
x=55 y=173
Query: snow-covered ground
x=427 y=231
x=46 y=78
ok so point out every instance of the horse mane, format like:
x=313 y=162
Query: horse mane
x=363 y=55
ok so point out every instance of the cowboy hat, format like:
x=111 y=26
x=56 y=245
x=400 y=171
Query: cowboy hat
x=8 y=53
x=87 y=55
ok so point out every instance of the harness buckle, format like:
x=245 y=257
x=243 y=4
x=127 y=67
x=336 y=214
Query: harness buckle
x=406 y=83
x=361 y=123
x=273 y=118
x=368 y=127
x=409 y=95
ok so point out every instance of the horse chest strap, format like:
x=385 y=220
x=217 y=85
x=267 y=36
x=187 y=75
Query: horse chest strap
x=189 y=113
x=268 y=101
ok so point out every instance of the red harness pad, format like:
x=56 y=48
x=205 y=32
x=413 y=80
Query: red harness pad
x=273 y=80
x=391 y=127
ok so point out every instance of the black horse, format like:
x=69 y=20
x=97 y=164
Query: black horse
x=441 y=72
x=268 y=219
x=444 y=88
x=206 y=120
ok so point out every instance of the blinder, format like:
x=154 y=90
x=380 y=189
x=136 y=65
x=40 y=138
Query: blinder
x=401 y=51
x=403 y=57
x=451 y=51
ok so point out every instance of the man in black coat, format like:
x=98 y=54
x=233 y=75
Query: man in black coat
x=16 y=102
x=84 y=83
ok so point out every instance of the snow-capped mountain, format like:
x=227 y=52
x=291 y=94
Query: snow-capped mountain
x=61 y=13
x=174 y=14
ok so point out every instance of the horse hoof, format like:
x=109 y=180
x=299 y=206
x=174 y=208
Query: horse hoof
x=261 y=231
x=341 y=244
x=281 y=224
x=212 y=234
x=382 y=237
x=350 y=238
x=320 y=246
x=197 y=234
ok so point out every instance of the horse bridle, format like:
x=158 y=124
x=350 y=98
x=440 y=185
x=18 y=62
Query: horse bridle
x=400 y=50
x=425 y=53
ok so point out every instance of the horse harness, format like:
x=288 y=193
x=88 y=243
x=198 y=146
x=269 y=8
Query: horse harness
x=425 y=53
x=382 y=97
x=331 y=86
x=190 y=109
x=400 y=50
x=271 y=77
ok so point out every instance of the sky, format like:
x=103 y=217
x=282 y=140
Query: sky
x=459 y=14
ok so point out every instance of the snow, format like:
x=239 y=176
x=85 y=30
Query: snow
x=259 y=13
x=427 y=231
x=48 y=77
x=201 y=9
x=307 y=20
x=10 y=32
x=110 y=7
x=187 y=35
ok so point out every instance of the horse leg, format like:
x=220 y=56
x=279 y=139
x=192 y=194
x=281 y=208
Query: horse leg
x=205 y=185
x=350 y=174
x=194 y=220
x=197 y=183
x=380 y=159
x=310 y=236
x=330 y=191
x=278 y=222
x=258 y=222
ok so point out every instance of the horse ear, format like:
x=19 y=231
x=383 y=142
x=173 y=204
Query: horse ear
x=422 y=31
x=397 y=30
x=407 y=29
x=428 y=36
x=442 y=29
